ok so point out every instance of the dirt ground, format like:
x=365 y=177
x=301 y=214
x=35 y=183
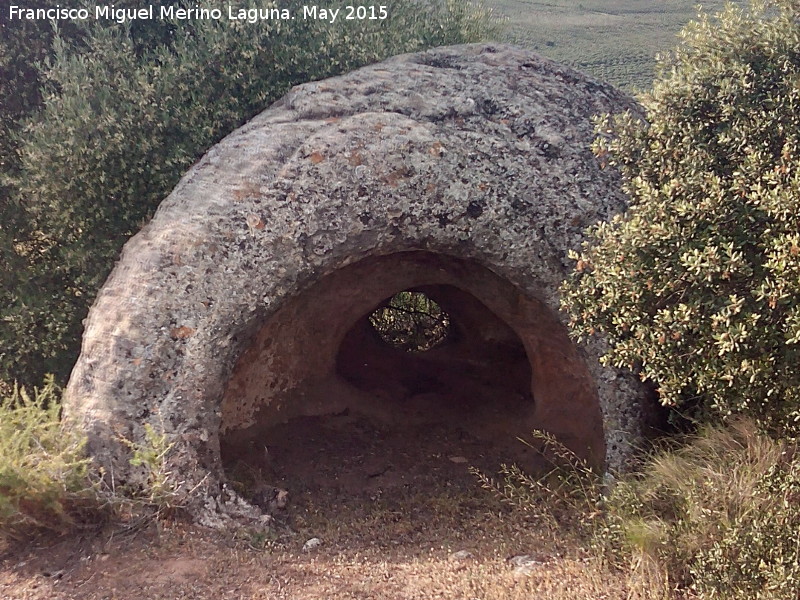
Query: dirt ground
x=396 y=510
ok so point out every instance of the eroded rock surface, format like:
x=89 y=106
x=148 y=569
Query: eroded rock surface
x=465 y=168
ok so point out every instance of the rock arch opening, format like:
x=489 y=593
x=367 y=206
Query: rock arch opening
x=320 y=398
x=229 y=313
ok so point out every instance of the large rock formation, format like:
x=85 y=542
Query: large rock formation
x=464 y=172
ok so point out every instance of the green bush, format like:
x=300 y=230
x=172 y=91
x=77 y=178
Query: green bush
x=719 y=516
x=697 y=285
x=125 y=112
x=43 y=473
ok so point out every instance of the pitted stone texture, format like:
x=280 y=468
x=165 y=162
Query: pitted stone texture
x=476 y=152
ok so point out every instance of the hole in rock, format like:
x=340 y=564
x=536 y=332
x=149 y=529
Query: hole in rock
x=411 y=321
x=395 y=375
x=475 y=379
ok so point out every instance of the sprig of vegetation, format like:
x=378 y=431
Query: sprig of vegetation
x=569 y=492
x=161 y=491
x=43 y=471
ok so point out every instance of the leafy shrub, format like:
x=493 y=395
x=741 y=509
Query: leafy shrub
x=42 y=469
x=45 y=482
x=122 y=120
x=719 y=515
x=697 y=285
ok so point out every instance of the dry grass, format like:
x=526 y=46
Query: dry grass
x=400 y=543
x=399 y=548
x=662 y=524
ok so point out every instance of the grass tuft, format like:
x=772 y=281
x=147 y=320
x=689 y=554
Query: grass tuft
x=713 y=516
x=717 y=517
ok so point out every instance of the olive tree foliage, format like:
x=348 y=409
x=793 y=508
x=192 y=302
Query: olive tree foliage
x=697 y=285
x=23 y=45
x=125 y=110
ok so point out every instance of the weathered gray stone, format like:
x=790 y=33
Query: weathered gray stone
x=466 y=167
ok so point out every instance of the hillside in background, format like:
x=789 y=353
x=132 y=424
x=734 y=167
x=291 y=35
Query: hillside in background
x=613 y=40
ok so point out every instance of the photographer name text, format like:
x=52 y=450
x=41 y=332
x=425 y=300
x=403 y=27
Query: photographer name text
x=173 y=13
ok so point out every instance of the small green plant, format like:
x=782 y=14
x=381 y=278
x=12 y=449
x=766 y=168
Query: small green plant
x=161 y=489
x=569 y=491
x=43 y=472
x=257 y=538
x=46 y=482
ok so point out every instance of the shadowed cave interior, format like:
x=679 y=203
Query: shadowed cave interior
x=350 y=387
